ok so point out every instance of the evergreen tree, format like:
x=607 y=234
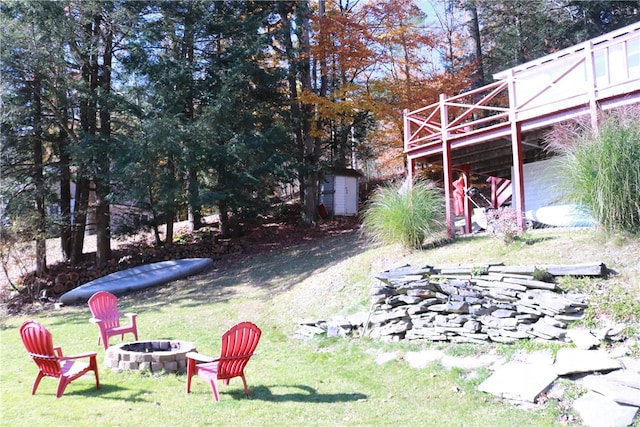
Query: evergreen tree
x=165 y=55
x=247 y=142
x=212 y=117
x=516 y=32
x=593 y=18
x=30 y=65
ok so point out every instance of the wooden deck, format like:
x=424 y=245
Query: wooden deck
x=497 y=128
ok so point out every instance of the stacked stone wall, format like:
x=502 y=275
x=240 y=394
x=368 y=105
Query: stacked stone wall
x=474 y=303
x=466 y=303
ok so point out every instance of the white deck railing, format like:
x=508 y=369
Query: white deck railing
x=603 y=68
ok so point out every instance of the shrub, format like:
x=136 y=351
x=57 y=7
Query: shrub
x=602 y=168
x=407 y=217
x=502 y=223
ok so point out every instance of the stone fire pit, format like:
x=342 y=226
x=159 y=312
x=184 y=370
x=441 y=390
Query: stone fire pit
x=153 y=356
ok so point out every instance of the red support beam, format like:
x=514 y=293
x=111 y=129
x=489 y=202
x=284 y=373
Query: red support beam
x=447 y=169
x=466 y=173
x=516 y=147
x=407 y=138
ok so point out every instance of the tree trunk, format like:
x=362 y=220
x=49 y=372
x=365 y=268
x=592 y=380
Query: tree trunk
x=103 y=233
x=103 y=217
x=170 y=210
x=88 y=123
x=309 y=178
x=79 y=222
x=65 y=197
x=193 y=200
x=295 y=64
x=225 y=226
x=193 y=191
x=38 y=179
x=156 y=220
x=475 y=42
x=520 y=54
x=170 y=219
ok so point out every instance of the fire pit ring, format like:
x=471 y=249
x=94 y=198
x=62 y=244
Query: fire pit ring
x=157 y=356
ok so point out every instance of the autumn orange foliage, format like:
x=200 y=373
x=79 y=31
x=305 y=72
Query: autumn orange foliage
x=377 y=57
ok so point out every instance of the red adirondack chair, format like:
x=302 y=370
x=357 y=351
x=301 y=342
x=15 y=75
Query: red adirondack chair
x=238 y=345
x=104 y=308
x=51 y=363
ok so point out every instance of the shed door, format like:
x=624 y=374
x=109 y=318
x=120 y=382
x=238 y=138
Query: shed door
x=326 y=192
x=346 y=196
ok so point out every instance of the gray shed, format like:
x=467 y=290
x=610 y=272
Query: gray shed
x=338 y=192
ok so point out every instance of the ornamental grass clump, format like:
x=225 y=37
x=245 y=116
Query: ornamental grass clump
x=602 y=168
x=405 y=217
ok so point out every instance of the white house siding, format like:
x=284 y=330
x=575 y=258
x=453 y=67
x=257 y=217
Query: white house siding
x=542 y=184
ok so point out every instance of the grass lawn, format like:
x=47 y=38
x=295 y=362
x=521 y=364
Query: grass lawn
x=295 y=382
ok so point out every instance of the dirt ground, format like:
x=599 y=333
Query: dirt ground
x=19 y=286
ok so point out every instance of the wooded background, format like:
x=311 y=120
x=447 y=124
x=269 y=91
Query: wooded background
x=183 y=108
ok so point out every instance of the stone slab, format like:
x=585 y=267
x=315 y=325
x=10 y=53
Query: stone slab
x=583 y=339
x=421 y=359
x=406 y=270
x=519 y=381
x=630 y=364
x=358 y=319
x=304 y=331
x=597 y=410
x=620 y=351
x=535 y=284
x=625 y=377
x=575 y=360
x=471 y=362
x=586 y=269
x=383 y=358
x=540 y=357
x=513 y=269
x=615 y=391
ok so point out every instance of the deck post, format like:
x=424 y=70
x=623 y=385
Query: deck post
x=518 y=179
x=407 y=130
x=466 y=172
x=494 y=192
x=407 y=138
x=590 y=65
x=446 y=165
x=516 y=148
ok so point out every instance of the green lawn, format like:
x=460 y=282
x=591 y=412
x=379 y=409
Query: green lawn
x=292 y=382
